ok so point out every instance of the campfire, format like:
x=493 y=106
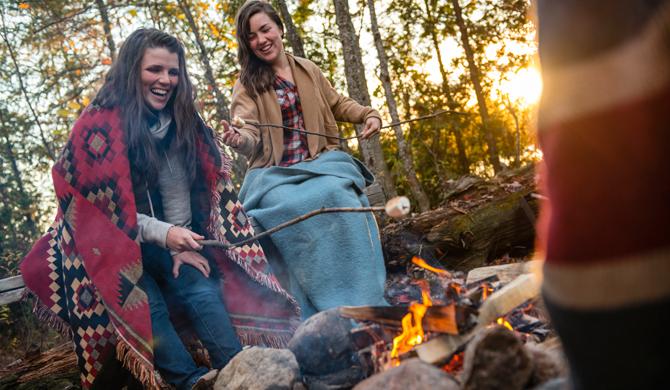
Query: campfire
x=412 y=329
x=440 y=313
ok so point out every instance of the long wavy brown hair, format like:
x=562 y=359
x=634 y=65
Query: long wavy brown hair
x=256 y=75
x=123 y=89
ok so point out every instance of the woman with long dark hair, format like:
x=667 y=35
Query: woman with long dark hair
x=331 y=259
x=139 y=184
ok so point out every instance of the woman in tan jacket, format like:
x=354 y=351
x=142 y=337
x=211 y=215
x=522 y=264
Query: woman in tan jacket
x=331 y=259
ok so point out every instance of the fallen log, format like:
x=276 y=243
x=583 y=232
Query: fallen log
x=53 y=369
x=478 y=222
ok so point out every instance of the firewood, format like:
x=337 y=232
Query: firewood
x=505 y=272
x=442 y=319
x=501 y=302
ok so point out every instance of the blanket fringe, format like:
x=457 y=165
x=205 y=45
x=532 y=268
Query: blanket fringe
x=263 y=339
x=43 y=313
x=130 y=360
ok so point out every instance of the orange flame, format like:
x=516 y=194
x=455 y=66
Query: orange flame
x=502 y=321
x=455 y=364
x=412 y=331
x=422 y=263
x=486 y=291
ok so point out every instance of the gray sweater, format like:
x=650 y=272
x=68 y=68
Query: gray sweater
x=173 y=188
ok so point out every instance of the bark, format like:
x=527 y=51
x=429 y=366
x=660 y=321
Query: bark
x=478 y=222
x=512 y=111
x=45 y=143
x=291 y=32
x=463 y=161
x=357 y=87
x=222 y=104
x=475 y=77
x=403 y=151
x=107 y=27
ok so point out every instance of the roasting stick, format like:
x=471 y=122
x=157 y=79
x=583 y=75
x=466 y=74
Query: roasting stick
x=238 y=122
x=397 y=207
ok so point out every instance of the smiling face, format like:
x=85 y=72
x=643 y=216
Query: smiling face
x=160 y=75
x=265 y=38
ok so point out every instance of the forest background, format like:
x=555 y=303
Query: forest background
x=466 y=64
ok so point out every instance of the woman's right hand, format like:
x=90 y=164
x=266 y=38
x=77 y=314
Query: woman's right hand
x=230 y=136
x=181 y=239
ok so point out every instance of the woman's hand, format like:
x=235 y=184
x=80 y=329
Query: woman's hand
x=181 y=239
x=372 y=127
x=230 y=136
x=191 y=258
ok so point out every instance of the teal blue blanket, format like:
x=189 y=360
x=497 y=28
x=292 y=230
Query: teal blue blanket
x=331 y=259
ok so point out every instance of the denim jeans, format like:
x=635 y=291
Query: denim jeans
x=200 y=299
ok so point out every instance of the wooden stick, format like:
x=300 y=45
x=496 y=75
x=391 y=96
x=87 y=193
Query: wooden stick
x=239 y=122
x=293 y=221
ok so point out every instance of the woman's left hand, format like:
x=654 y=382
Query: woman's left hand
x=372 y=127
x=194 y=259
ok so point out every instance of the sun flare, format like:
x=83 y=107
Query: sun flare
x=524 y=86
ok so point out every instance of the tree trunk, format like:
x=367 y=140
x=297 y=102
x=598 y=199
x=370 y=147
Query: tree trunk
x=512 y=111
x=30 y=222
x=403 y=151
x=358 y=90
x=476 y=82
x=291 y=31
x=45 y=143
x=107 y=27
x=463 y=161
x=222 y=111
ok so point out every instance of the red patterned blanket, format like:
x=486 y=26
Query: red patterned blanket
x=85 y=269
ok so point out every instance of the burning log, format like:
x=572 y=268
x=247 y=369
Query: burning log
x=451 y=319
x=497 y=305
x=476 y=224
x=411 y=374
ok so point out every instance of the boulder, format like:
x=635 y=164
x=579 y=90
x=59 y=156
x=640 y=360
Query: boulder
x=261 y=368
x=411 y=374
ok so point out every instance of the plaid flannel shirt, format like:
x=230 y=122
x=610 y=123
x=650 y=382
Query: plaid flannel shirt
x=295 y=143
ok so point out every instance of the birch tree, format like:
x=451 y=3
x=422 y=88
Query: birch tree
x=358 y=90
x=404 y=153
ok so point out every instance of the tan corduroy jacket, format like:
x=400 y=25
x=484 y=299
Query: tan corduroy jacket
x=321 y=104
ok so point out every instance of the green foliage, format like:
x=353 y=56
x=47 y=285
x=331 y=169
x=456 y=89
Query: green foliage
x=62 y=53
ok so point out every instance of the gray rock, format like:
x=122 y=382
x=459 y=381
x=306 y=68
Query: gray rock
x=497 y=360
x=547 y=364
x=411 y=374
x=323 y=344
x=259 y=369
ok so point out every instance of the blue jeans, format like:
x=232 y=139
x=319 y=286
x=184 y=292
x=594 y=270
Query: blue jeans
x=200 y=299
